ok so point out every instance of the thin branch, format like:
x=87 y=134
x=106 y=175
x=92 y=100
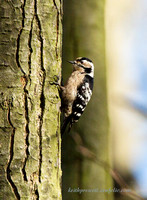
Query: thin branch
x=87 y=153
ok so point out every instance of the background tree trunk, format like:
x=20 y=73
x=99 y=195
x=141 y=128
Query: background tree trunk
x=84 y=36
x=30 y=55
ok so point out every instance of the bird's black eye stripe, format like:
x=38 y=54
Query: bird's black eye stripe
x=79 y=60
x=87 y=70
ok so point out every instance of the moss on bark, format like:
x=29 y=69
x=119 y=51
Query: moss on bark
x=30 y=52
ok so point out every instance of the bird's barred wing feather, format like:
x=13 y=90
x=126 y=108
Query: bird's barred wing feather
x=83 y=96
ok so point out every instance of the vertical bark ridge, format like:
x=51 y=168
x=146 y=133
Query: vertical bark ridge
x=11 y=154
x=57 y=25
x=42 y=83
x=19 y=36
x=24 y=80
x=27 y=131
x=58 y=143
x=30 y=50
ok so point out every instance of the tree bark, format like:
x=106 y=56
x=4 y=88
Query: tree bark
x=84 y=36
x=30 y=56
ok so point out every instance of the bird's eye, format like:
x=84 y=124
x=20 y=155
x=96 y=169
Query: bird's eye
x=81 y=62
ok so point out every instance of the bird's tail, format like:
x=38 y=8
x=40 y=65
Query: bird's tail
x=65 y=123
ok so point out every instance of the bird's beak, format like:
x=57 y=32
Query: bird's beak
x=71 y=62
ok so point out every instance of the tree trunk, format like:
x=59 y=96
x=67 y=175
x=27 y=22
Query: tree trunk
x=84 y=36
x=30 y=55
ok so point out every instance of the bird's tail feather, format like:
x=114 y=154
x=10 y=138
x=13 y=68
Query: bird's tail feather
x=65 y=123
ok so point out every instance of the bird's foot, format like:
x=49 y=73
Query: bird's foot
x=55 y=82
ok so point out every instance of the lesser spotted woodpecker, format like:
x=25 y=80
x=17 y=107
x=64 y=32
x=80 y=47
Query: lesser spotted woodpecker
x=77 y=92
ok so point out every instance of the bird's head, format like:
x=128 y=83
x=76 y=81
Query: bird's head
x=84 y=65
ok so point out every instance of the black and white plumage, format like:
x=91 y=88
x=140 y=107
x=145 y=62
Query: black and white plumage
x=84 y=92
x=77 y=91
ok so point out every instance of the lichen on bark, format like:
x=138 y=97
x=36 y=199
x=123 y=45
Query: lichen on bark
x=30 y=51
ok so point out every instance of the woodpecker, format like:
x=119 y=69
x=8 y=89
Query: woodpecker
x=77 y=92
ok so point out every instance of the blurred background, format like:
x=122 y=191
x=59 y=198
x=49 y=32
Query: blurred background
x=113 y=127
x=126 y=56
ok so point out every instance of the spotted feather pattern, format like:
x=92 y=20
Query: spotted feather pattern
x=83 y=96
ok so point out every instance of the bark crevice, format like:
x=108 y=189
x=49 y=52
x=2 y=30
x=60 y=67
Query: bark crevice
x=24 y=81
x=57 y=30
x=11 y=154
x=19 y=36
x=27 y=131
x=30 y=50
x=42 y=84
x=37 y=194
x=58 y=143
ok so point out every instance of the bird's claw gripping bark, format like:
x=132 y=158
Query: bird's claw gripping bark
x=55 y=82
